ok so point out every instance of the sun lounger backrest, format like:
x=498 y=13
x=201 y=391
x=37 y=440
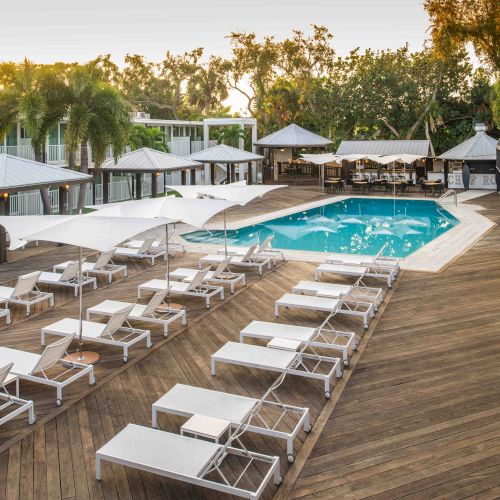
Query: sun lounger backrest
x=198 y=278
x=4 y=371
x=156 y=301
x=71 y=271
x=52 y=354
x=249 y=252
x=104 y=259
x=222 y=266
x=25 y=284
x=116 y=320
x=146 y=245
x=265 y=243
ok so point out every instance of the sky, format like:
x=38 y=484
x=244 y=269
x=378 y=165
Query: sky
x=62 y=30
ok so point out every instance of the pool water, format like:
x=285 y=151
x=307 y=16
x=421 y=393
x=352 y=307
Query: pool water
x=353 y=226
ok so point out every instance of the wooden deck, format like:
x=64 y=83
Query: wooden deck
x=416 y=414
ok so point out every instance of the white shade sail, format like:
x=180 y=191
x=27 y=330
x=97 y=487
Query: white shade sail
x=87 y=231
x=321 y=159
x=237 y=192
x=195 y=212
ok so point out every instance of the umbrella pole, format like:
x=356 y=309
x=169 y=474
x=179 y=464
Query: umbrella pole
x=168 y=265
x=81 y=356
x=225 y=235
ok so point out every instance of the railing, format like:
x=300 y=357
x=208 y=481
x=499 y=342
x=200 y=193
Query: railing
x=448 y=193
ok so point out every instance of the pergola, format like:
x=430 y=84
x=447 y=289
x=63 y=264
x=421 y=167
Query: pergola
x=228 y=156
x=282 y=143
x=147 y=161
x=18 y=174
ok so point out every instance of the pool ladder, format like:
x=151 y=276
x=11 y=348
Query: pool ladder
x=447 y=194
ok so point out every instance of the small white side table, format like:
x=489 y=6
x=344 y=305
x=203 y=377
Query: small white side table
x=206 y=427
x=284 y=344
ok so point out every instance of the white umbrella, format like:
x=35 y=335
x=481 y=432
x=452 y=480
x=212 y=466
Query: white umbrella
x=97 y=233
x=237 y=192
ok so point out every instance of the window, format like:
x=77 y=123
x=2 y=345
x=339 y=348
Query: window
x=24 y=134
x=54 y=136
x=11 y=136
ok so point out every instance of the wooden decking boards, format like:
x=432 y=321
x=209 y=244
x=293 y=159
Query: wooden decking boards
x=419 y=415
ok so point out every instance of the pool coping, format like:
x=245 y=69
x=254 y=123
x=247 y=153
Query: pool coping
x=432 y=257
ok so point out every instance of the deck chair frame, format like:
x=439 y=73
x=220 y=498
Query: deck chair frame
x=248 y=260
x=51 y=356
x=153 y=313
x=266 y=428
x=363 y=310
x=372 y=271
x=69 y=279
x=297 y=367
x=145 y=251
x=132 y=337
x=28 y=295
x=212 y=466
x=20 y=405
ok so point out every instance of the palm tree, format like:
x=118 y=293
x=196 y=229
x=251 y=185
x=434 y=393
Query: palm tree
x=38 y=98
x=148 y=137
x=98 y=117
x=231 y=136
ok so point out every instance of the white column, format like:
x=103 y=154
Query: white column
x=241 y=142
x=206 y=135
x=254 y=136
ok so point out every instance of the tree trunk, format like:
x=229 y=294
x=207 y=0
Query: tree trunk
x=44 y=192
x=84 y=168
x=428 y=137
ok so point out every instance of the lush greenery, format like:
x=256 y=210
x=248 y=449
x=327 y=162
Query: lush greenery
x=434 y=93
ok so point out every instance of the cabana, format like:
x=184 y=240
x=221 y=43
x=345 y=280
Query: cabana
x=147 y=161
x=475 y=156
x=280 y=147
x=18 y=174
x=229 y=157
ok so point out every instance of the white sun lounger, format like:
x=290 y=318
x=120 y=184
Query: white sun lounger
x=263 y=250
x=322 y=336
x=145 y=251
x=19 y=405
x=186 y=401
x=383 y=273
x=220 y=276
x=357 y=293
x=365 y=260
x=25 y=292
x=35 y=367
x=68 y=278
x=112 y=333
x=194 y=288
x=184 y=459
x=5 y=312
x=155 y=311
x=159 y=244
x=249 y=259
x=364 y=310
x=279 y=360
x=104 y=266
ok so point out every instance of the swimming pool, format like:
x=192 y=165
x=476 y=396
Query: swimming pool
x=353 y=226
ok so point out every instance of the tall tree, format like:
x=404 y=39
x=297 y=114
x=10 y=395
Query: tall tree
x=147 y=137
x=98 y=116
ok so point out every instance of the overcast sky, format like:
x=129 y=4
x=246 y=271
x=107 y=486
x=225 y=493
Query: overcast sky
x=69 y=30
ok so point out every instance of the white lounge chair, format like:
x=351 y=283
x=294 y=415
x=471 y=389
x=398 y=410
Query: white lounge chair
x=249 y=259
x=159 y=244
x=18 y=405
x=194 y=288
x=104 y=266
x=324 y=336
x=185 y=459
x=186 y=401
x=358 y=293
x=282 y=359
x=155 y=311
x=5 y=312
x=112 y=333
x=25 y=292
x=365 y=260
x=145 y=251
x=263 y=250
x=364 y=310
x=35 y=367
x=220 y=276
x=68 y=278
x=383 y=273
